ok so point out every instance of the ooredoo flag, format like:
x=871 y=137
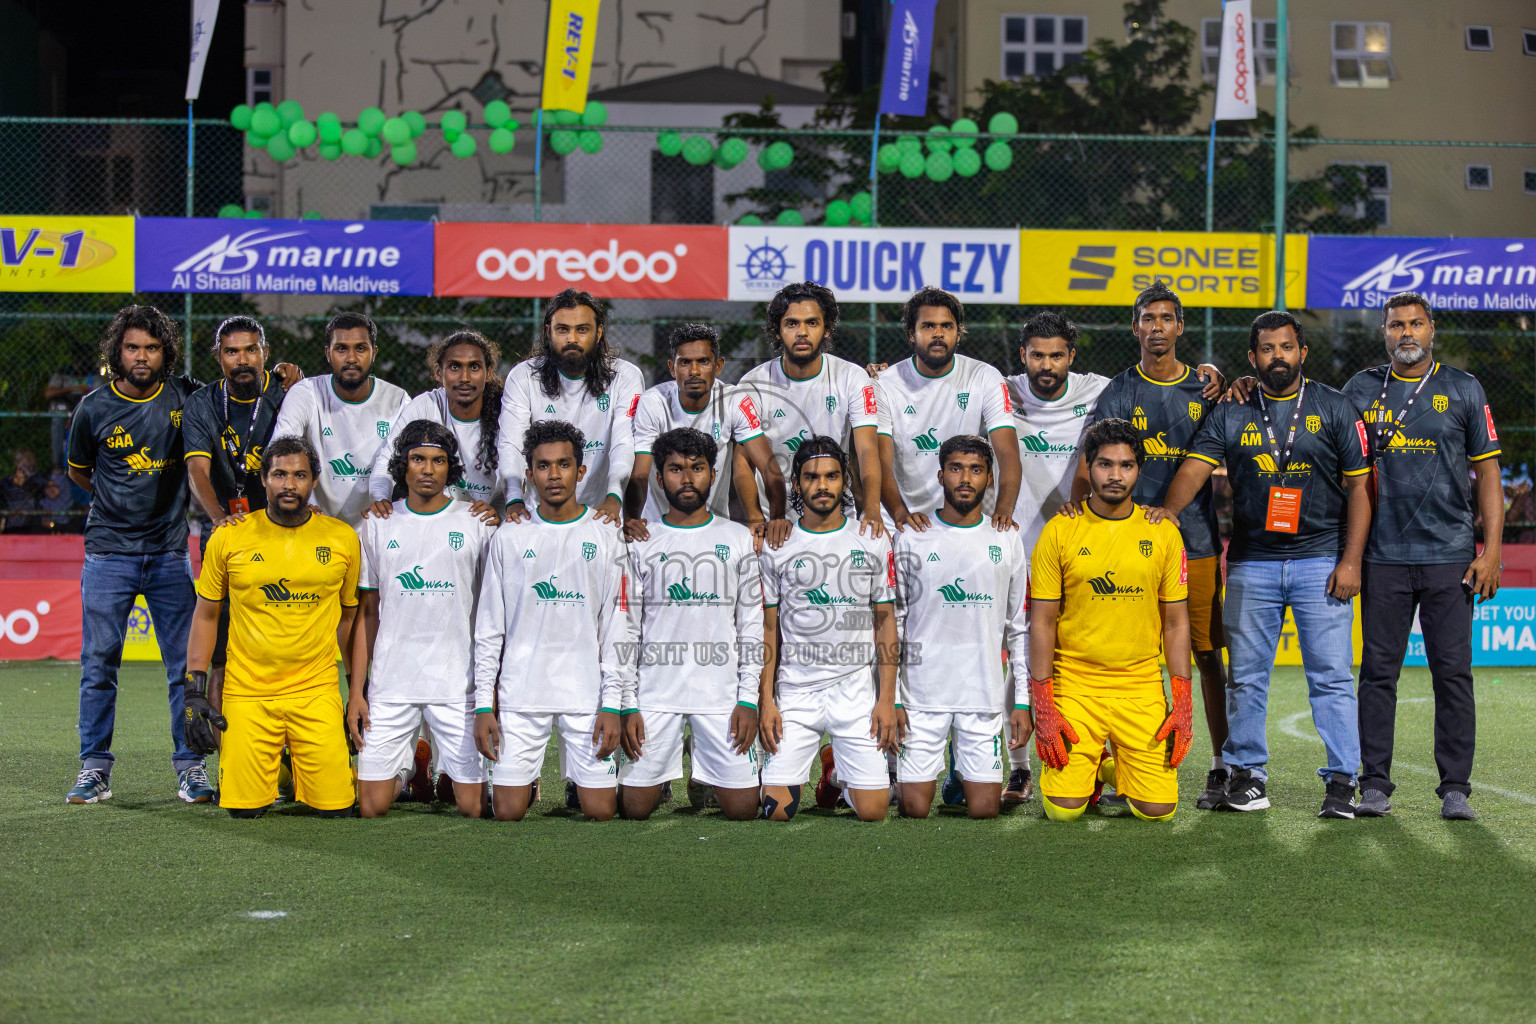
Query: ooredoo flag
x=568 y=54
x=1235 y=99
x=613 y=261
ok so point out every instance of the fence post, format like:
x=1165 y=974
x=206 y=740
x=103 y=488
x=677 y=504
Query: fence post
x=1210 y=218
x=538 y=161
x=1282 y=129
x=187 y=305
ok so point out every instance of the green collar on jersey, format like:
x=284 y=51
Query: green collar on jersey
x=695 y=526
x=349 y=401
x=954 y=359
x=561 y=522
x=804 y=380
x=446 y=506
x=958 y=526
x=801 y=524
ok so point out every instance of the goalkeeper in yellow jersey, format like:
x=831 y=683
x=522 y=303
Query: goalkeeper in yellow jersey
x=1107 y=596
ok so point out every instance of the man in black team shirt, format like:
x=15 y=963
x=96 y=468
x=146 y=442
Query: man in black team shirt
x=125 y=447
x=1162 y=398
x=1431 y=429
x=1296 y=457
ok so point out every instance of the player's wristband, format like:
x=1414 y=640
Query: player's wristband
x=1021 y=707
x=746 y=704
x=485 y=711
x=899 y=707
x=627 y=711
x=611 y=711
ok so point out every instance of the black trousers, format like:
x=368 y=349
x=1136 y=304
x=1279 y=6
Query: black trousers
x=1389 y=594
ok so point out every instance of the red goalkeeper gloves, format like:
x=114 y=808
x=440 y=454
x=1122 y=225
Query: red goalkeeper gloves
x=1050 y=727
x=1180 y=722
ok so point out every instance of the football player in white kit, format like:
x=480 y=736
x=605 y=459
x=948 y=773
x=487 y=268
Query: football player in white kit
x=807 y=392
x=830 y=648
x=961 y=589
x=553 y=643
x=575 y=377
x=696 y=397
x=418 y=586
x=697 y=601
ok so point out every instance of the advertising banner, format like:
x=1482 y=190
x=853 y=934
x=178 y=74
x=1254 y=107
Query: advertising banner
x=876 y=264
x=1236 y=97
x=908 y=50
x=287 y=257
x=1347 y=272
x=568 y=50
x=66 y=254
x=613 y=261
x=1109 y=268
x=1503 y=631
x=41 y=619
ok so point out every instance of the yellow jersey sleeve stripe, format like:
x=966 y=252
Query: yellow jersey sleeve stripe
x=1203 y=458
x=1357 y=472
x=1476 y=458
x=78 y=466
x=1002 y=426
x=1042 y=597
x=206 y=455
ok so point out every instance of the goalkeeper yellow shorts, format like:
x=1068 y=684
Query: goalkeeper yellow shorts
x=310 y=725
x=1128 y=723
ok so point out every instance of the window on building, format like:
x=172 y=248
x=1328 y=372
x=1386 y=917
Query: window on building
x=1042 y=44
x=1480 y=177
x=1479 y=37
x=681 y=193
x=1362 y=54
x=261 y=202
x=1528 y=42
x=1530 y=182
x=1265 y=49
x=1376 y=179
x=258 y=86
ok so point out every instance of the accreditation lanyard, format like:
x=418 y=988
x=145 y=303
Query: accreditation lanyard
x=1383 y=437
x=239 y=503
x=1283 y=513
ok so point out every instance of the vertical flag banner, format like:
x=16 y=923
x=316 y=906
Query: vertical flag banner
x=204 y=14
x=568 y=54
x=908 y=47
x=1235 y=82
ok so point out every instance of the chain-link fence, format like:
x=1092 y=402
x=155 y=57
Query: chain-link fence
x=51 y=166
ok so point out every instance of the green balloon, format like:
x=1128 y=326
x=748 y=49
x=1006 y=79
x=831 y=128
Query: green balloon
x=939 y=167
x=253 y=215
x=450 y=136
x=967 y=162
x=838 y=213
x=454 y=121
x=590 y=141
x=279 y=148
x=290 y=111
x=749 y=221
x=464 y=146
x=669 y=143
x=698 y=150
x=888 y=158
x=497 y=113
x=962 y=133
x=1003 y=123
x=353 y=141
x=861 y=205
x=266 y=122
x=301 y=134
x=733 y=152
x=375 y=147
x=999 y=157
x=240 y=117
x=396 y=131
x=913 y=164
x=328 y=127
x=938 y=140
x=565 y=118
x=231 y=210
x=257 y=141
x=418 y=124
x=330 y=150
x=371 y=121
x=403 y=154
x=501 y=141
x=790 y=219
x=312 y=215
x=861 y=221
x=563 y=141
x=909 y=142
x=595 y=114
x=782 y=154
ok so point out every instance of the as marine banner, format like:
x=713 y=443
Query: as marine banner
x=66 y=254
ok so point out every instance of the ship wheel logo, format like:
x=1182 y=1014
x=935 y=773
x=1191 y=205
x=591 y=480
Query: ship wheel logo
x=765 y=262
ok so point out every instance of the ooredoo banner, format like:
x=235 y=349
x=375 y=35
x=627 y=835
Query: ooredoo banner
x=41 y=619
x=615 y=261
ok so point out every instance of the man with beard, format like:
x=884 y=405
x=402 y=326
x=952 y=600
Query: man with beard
x=1432 y=430
x=1296 y=457
x=696 y=398
x=345 y=415
x=126 y=449
x=574 y=377
x=291 y=580
x=809 y=392
x=697 y=602
x=960 y=587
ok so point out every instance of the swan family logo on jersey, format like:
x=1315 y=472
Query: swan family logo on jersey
x=547 y=591
x=412 y=581
x=278 y=593
x=819 y=595
x=682 y=592
x=344 y=466
x=956 y=594
x=1105 y=586
x=926 y=442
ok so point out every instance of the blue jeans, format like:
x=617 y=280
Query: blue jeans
x=108 y=586
x=1257 y=595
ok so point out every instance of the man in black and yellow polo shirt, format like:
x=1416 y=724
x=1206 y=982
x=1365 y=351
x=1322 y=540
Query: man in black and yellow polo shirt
x=291 y=579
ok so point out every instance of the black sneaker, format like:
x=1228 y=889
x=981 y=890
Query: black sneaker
x=1338 y=800
x=1020 y=786
x=1215 y=789
x=1245 y=792
x=572 y=798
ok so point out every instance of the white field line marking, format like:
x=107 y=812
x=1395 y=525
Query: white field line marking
x=264 y=915
x=1288 y=726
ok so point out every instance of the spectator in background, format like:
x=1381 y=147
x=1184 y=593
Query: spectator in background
x=69 y=383
x=56 y=497
x=1519 y=513
x=21 y=491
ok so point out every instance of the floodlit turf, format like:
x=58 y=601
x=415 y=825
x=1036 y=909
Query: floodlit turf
x=144 y=908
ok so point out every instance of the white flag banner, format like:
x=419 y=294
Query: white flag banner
x=1235 y=99
x=204 y=14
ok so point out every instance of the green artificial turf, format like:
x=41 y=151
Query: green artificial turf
x=139 y=908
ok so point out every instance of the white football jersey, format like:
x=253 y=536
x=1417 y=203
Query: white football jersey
x=961 y=590
x=606 y=421
x=728 y=418
x=1050 y=434
x=826 y=586
x=835 y=401
x=552 y=632
x=696 y=599
x=921 y=413
x=477 y=484
x=347 y=435
x=426 y=569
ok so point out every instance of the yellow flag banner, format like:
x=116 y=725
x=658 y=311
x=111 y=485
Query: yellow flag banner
x=568 y=54
x=66 y=254
x=1109 y=268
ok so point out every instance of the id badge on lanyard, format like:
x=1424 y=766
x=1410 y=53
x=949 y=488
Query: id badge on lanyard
x=1282 y=514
